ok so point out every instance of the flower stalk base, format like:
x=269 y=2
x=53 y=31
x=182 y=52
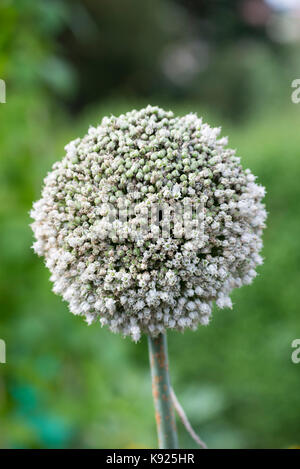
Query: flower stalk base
x=161 y=388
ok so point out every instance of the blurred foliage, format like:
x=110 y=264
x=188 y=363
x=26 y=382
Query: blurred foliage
x=69 y=385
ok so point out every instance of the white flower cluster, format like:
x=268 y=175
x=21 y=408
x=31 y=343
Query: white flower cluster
x=151 y=283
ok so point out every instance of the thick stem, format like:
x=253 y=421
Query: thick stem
x=161 y=388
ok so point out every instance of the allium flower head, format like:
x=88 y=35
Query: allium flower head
x=142 y=281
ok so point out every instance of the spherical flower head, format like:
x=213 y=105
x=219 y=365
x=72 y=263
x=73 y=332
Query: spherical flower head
x=113 y=259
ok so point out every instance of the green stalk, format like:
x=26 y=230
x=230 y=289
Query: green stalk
x=161 y=388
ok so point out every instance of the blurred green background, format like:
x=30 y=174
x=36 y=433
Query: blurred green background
x=68 y=63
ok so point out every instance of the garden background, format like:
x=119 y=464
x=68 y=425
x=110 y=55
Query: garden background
x=68 y=63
